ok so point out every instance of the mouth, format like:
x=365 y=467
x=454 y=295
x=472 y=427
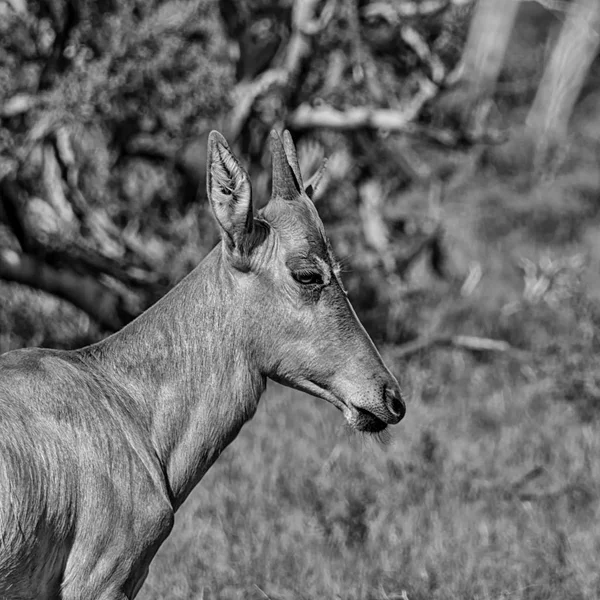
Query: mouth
x=367 y=422
x=358 y=418
x=362 y=420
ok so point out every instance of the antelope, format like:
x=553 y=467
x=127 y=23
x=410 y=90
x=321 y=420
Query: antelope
x=100 y=446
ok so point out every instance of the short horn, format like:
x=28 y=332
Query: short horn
x=284 y=181
x=292 y=157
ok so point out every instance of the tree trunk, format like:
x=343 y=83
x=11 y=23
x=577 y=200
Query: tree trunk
x=486 y=45
x=463 y=104
x=576 y=48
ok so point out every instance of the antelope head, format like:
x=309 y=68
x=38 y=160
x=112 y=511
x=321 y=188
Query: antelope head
x=299 y=326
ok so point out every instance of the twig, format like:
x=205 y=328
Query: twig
x=528 y=477
x=305 y=21
x=305 y=24
x=20 y=104
x=245 y=95
x=149 y=147
x=53 y=187
x=307 y=117
x=74 y=251
x=403 y=10
x=414 y=40
x=82 y=257
x=465 y=342
x=108 y=236
x=262 y=592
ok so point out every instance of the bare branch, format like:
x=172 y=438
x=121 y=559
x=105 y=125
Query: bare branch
x=75 y=251
x=104 y=306
x=19 y=104
x=148 y=146
x=112 y=241
x=403 y=10
x=53 y=187
x=304 y=24
x=245 y=95
x=464 y=342
x=363 y=117
x=305 y=20
x=414 y=40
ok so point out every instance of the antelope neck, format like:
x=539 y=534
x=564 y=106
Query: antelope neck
x=186 y=363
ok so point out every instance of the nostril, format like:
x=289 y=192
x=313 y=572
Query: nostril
x=394 y=402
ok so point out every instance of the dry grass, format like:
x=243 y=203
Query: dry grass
x=489 y=491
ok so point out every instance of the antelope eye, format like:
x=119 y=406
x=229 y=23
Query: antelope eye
x=308 y=277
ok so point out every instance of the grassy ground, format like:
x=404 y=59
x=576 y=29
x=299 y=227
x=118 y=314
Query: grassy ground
x=488 y=489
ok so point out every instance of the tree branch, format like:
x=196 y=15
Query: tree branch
x=106 y=307
x=363 y=117
x=464 y=342
x=304 y=25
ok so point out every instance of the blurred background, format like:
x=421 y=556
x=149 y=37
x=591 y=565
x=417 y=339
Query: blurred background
x=462 y=195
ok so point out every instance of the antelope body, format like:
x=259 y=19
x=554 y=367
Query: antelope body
x=100 y=446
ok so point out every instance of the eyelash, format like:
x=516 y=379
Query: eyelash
x=308 y=277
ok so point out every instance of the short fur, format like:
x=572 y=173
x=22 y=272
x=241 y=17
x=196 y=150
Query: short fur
x=100 y=446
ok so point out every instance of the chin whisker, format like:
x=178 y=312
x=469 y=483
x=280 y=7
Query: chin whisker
x=383 y=437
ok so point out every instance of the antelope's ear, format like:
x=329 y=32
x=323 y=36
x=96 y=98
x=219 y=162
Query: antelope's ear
x=230 y=195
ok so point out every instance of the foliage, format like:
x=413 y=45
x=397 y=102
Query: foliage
x=127 y=69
